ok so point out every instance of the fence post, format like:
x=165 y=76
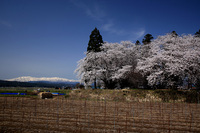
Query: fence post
x=191 y=120
x=133 y=115
x=170 y=118
x=35 y=107
x=88 y=114
x=114 y=114
x=58 y=114
x=169 y=123
x=22 y=122
x=29 y=121
x=105 y=112
x=11 y=117
x=126 y=122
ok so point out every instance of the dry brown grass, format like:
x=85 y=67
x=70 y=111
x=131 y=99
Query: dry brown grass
x=136 y=95
x=30 y=115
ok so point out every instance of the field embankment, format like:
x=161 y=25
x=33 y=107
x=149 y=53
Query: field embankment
x=129 y=95
x=136 y=95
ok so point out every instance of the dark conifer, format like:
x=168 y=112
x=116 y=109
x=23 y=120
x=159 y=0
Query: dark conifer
x=147 y=39
x=174 y=34
x=95 y=44
x=95 y=41
x=137 y=42
x=197 y=34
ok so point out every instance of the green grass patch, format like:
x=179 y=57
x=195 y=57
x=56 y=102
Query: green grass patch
x=160 y=95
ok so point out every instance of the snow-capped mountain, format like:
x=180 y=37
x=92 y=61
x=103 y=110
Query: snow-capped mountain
x=41 y=79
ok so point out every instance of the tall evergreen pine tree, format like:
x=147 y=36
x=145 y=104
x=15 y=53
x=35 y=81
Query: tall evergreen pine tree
x=95 y=41
x=94 y=45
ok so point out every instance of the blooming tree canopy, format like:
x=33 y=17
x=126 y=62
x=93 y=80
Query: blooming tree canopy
x=168 y=60
x=108 y=66
x=171 y=59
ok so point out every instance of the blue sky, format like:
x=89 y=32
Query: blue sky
x=46 y=38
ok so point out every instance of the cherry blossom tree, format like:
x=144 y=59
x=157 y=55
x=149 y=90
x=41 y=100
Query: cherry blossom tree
x=108 y=66
x=171 y=59
x=167 y=61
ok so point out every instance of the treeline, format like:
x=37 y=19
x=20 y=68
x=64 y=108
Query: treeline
x=169 y=61
x=4 y=83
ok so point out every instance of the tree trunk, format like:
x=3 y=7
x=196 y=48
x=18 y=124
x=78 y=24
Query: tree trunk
x=95 y=84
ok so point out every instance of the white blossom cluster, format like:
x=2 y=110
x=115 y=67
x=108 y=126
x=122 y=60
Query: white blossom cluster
x=167 y=59
x=110 y=65
x=171 y=59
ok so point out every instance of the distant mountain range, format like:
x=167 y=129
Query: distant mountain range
x=38 y=82
x=42 y=79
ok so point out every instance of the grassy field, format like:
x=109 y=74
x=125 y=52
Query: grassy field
x=169 y=96
x=179 y=96
x=30 y=91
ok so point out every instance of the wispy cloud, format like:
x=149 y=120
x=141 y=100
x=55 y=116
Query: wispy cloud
x=110 y=27
x=140 y=33
x=5 y=23
x=108 y=24
x=95 y=12
x=131 y=34
x=136 y=34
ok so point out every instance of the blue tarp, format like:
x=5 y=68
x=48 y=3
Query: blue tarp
x=9 y=93
x=55 y=93
x=62 y=94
